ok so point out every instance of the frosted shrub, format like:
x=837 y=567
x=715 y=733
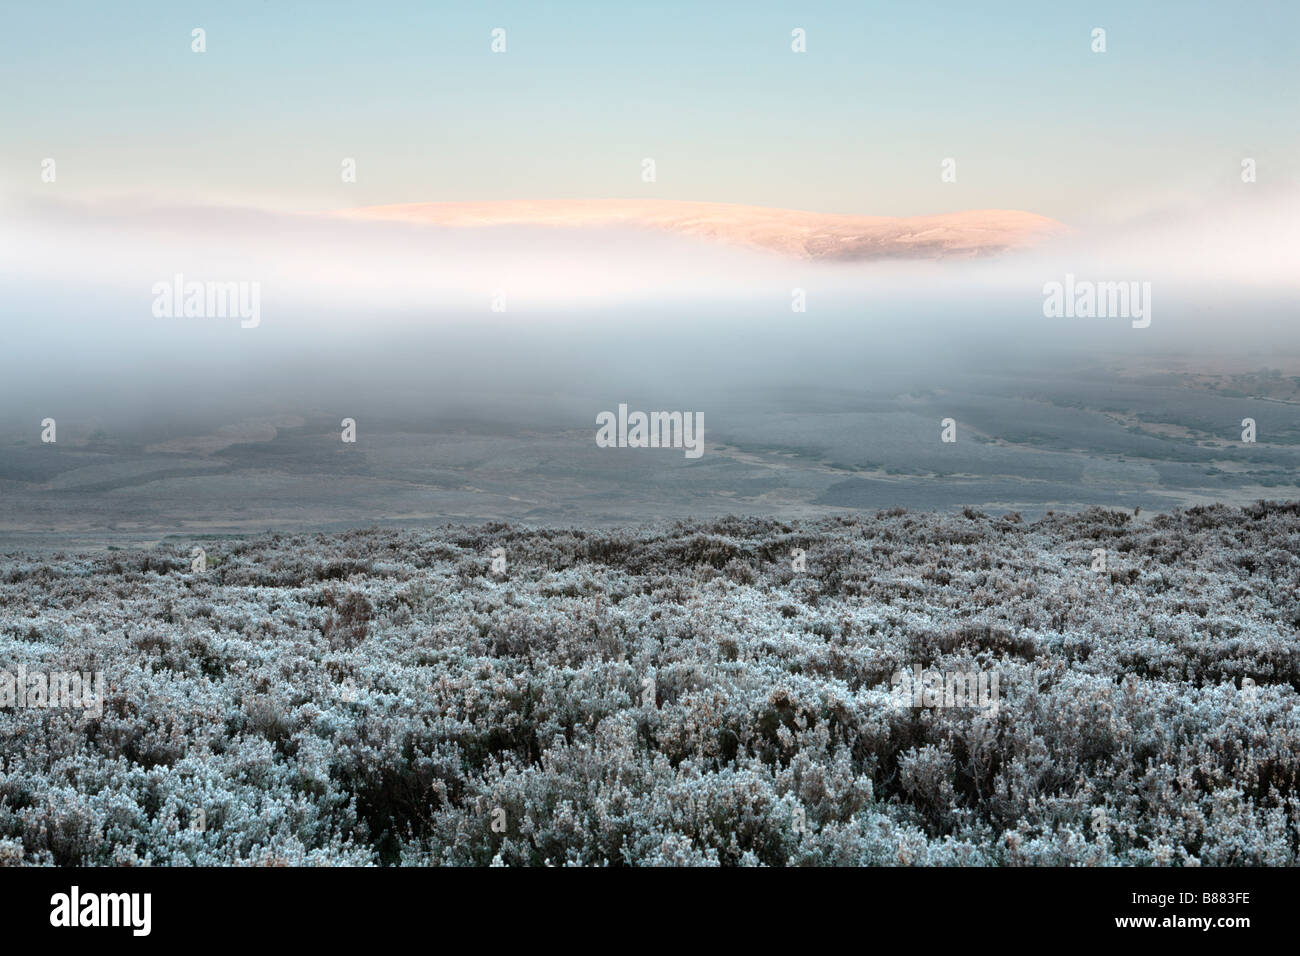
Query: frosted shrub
x=670 y=696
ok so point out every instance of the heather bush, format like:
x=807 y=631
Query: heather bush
x=668 y=696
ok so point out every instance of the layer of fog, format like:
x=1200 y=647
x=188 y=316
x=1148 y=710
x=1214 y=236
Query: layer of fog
x=399 y=318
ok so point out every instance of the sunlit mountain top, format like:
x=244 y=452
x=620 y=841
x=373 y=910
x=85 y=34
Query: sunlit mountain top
x=808 y=235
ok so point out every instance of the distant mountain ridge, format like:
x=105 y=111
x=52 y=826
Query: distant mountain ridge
x=805 y=235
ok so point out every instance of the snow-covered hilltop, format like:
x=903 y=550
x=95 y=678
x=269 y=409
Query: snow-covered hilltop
x=807 y=235
x=721 y=692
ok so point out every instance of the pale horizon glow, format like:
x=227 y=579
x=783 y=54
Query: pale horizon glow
x=857 y=125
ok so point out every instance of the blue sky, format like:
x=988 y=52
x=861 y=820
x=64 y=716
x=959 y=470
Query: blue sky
x=711 y=91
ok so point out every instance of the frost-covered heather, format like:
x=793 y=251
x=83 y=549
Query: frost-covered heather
x=376 y=697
